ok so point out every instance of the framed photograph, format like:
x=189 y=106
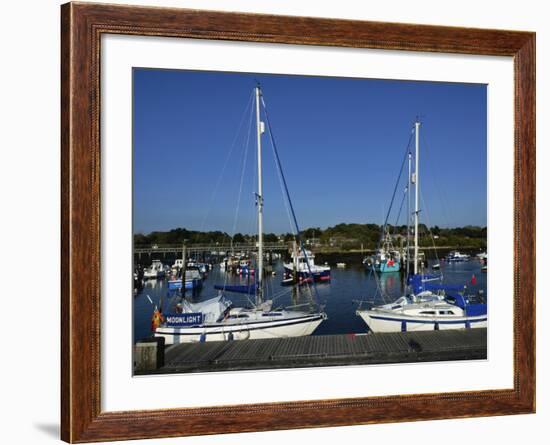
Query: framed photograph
x=275 y=222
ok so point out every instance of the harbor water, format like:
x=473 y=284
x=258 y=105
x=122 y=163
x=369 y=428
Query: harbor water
x=340 y=297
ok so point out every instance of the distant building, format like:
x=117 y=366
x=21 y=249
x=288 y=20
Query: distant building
x=313 y=242
x=340 y=241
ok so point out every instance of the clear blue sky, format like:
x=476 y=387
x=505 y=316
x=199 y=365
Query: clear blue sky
x=341 y=143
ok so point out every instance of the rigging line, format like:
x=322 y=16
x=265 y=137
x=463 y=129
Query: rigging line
x=401 y=206
x=243 y=168
x=280 y=294
x=379 y=290
x=275 y=152
x=254 y=214
x=383 y=229
x=435 y=177
x=281 y=185
x=251 y=225
x=232 y=147
x=430 y=231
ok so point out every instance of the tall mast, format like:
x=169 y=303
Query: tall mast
x=416 y=196
x=409 y=214
x=260 y=204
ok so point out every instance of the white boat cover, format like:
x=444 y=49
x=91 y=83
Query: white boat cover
x=211 y=309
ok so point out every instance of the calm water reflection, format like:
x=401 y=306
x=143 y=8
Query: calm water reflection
x=340 y=296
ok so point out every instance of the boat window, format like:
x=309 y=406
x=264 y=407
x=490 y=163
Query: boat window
x=271 y=314
x=446 y=313
x=428 y=312
x=242 y=316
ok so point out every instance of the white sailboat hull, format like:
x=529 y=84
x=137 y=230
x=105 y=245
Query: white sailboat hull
x=379 y=321
x=293 y=327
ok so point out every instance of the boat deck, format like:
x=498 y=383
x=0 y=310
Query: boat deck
x=326 y=350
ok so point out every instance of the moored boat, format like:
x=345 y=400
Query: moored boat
x=193 y=280
x=427 y=311
x=427 y=303
x=156 y=270
x=482 y=256
x=387 y=258
x=217 y=319
x=457 y=257
x=303 y=264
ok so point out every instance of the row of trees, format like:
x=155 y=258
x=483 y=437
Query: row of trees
x=342 y=236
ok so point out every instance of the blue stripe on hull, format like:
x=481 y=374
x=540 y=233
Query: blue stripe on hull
x=407 y=324
x=401 y=320
x=252 y=326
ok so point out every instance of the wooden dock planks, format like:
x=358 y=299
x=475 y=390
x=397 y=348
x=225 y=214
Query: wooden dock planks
x=326 y=350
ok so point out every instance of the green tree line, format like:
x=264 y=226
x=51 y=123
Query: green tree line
x=342 y=236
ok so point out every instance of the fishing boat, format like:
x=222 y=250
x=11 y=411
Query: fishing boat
x=428 y=304
x=245 y=267
x=178 y=264
x=228 y=263
x=156 y=270
x=303 y=265
x=456 y=257
x=217 y=319
x=387 y=258
x=193 y=280
x=203 y=268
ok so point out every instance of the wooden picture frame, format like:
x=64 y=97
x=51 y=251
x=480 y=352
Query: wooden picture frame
x=82 y=26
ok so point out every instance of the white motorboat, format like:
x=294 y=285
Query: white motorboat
x=456 y=257
x=216 y=319
x=156 y=270
x=304 y=265
x=482 y=256
x=178 y=264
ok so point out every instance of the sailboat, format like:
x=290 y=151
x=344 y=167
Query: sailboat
x=217 y=319
x=429 y=305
